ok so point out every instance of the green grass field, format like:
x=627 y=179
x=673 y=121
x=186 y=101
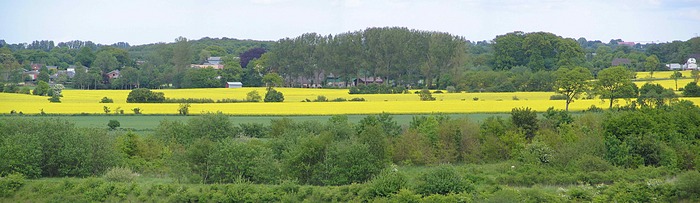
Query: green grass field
x=148 y=123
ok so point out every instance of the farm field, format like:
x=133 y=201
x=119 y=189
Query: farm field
x=87 y=101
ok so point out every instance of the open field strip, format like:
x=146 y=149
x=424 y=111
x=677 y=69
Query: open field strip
x=662 y=74
x=86 y=101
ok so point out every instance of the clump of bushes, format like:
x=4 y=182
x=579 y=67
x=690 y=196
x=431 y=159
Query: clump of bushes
x=376 y=89
x=106 y=100
x=425 y=95
x=443 y=179
x=273 y=95
x=120 y=174
x=143 y=95
x=557 y=97
x=10 y=183
x=386 y=183
x=321 y=98
x=357 y=99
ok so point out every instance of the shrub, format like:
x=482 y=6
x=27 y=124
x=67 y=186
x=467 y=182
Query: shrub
x=688 y=185
x=442 y=179
x=41 y=89
x=253 y=96
x=425 y=95
x=386 y=183
x=557 y=97
x=515 y=98
x=143 y=95
x=594 y=109
x=106 y=100
x=113 y=124
x=691 y=90
x=10 y=183
x=273 y=95
x=55 y=99
x=137 y=110
x=189 y=100
x=451 y=89
x=321 y=98
x=438 y=92
x=475 y=98
x=357 y=99
x=184 y=109
x=25 y=90
x=120 y=174
x=339 y=100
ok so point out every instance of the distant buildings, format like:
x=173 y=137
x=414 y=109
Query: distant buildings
x=621 y=62
x=212 y=62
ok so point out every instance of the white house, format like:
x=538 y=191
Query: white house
x=673 y=66
x=691 y=64
x=234 y=84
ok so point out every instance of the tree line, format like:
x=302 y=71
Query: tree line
x=515 y=61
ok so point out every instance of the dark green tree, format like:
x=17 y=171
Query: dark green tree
x=611 y=80
x=572 y=82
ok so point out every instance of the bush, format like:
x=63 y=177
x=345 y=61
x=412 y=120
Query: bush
x=357 y=99
x=475 y=98
x=253 y=96
x=143 y=95
x=451 y=89
x=106 y=100
x=273 y=95
x=691 y=90
x=189 y=100
x=425 y=95
x=442 y=179
x=119 y=174
x=25 y=90
x=557 y=97
x=376 y=89
x=184 y=109
x=339 y=100
x=321 y=98
x=438 y=92
x=55 y=99
x=137 y=110
x=113 y=124
x=10 y=183
x=386 y=183
x=688 y=185
x=41 y=89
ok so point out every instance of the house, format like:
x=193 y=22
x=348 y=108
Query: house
x=214 y=60
x=113 y=74
x=627 y=43
x=218 y=66
x=234 y=84
x=691 y=64
x=621 y=61
x=673 y=66
x=334 y=81
x=36 y=66
x=367 y=80
x=33 y=74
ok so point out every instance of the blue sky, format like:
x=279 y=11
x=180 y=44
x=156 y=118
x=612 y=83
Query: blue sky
x=144 y=21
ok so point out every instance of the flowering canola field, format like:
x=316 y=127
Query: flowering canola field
x=87 y=101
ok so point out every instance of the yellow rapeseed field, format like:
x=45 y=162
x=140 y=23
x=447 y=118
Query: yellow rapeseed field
x=661 y=74
x=87 y=101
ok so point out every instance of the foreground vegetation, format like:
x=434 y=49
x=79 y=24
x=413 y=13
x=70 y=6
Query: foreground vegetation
x=626 y=154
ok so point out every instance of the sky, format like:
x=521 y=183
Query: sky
x=145 y=21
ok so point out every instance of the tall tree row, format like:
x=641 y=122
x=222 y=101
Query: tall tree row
x=399 y=55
